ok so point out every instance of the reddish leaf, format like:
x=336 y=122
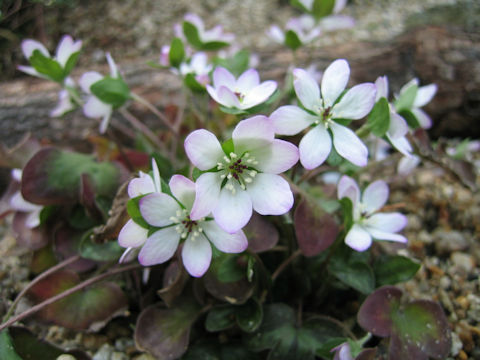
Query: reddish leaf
x=81 y=310
x=262 y=235
x=315 y=229
x=165 y=333
x=174 y=279
x=33 y=239
x=235 y=292
x=375 y=313
x=66 y=243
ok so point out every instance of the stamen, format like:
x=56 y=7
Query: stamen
x=233 y=155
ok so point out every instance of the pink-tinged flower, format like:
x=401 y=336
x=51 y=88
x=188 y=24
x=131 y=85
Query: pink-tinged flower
x=242 y=93
x=367 y=223
x=398 y=128
x=133 y=235
x=173 y=216
x=323 y=107
x=94 y=107
x=342 y=352
x=246 y=178
x=423 y=96
x=407 y=163
x=65 y=103
x=18 y=203
x=304 y=27
x=198 y=66
x=65 y=49
x=214 y=34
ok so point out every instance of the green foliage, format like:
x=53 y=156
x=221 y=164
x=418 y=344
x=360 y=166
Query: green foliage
x=177 y=52
x=47 y=66
x=292 y=40
x=7 y=351
x=133 y=210
x=407 y=98
x=379 y=118
x=112 y=91
x=237 y=64
x=390 y=270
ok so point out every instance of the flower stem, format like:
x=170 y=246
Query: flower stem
x=66 y=293
x=284 y=264
x=36 y=280
x=154 y=110
x=363 y=131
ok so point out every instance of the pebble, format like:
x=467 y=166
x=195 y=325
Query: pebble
x=104 y=353
x=449 y=241
x=66 y=357
x=463 y=262
x=143 y=357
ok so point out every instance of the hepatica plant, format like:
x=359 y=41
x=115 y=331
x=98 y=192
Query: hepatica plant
x=222 y=220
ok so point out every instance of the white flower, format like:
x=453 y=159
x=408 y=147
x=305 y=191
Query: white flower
x=368 y=223
x=198 y=66
x=246 y=178
x=303 y=26
x=18 y=203
x=242 y=93
x=322 y=109
x=214 y=34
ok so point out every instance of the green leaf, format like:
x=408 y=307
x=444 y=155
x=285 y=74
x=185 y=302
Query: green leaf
x=292 y=40
x=407 y=98
x=133 y=210
x=72 y=60
x=379 y=118
x=334 y=159
x=249 y=316
x=390 y=270
x=213 y=350
x=177 y=52
x=111 y=91
x=321 y=8
x=227 y=146
x=47 y=66
x=46 y=213
x=191 y=33
x=108 y=251
x=347 y=212
x=299 y=5
x=357 y=274
x=237 y=64
x=227 y=269
x=193 y=84
x=7 y=351
x=220 y=318
x=196 y=172
x=410 y=117
x=213 y=45
x=233 y=111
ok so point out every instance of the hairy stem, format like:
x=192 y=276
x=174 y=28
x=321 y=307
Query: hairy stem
x=154 y=110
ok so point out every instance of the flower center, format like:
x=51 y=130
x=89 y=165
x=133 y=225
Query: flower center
x=235 y=169
x=325 y=116
x=186 y=226
x=239 y=95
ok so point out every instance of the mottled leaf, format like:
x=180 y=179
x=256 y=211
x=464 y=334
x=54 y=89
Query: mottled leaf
x=174 y=279
x=165 y=333
x=315 y=229
x=82 y=309
x=262 y=235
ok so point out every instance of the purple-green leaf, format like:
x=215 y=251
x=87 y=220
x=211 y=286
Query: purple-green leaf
x=262 y=234
x=33 y=239
x=165 y=333
x=316 y=230
x=81 y=310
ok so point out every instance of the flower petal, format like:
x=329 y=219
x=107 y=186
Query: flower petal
x=226 y=97
x=277 y=157
x=382 y=87
x=207 y=192
x=358 y=238
x=140 y=186
x=290 y=120
x=29 y=46
x=157 y=209
x=276 y=34
x=159 y=247
x=132 y=235
x=183 y=189
x=33 y=219
x=196 y=255
x=258 y=94
x=307 y=90
x=407 y=164
x=18 y=203
x=223 y=77
x=88 y=79
x=247 y=81
x=383 y=235
x=94 y=108
x=348 y=145
x=387 y=222
x=112 y=65
x=347 y=187
x=315 y=147
x=30 y=71
x=424 y=95
x=398 y=126
x=334 y=81
x=375 y=196
x=66 y=47
x=203 y=149
x=424 y=120
x=356 y=103
x=402 y=145
x=252 y=133
x=270 y=194
x=233 y=211
x=223 y=241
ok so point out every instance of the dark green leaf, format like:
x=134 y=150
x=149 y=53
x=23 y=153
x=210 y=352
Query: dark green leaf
x=165 y=166
x=379 y=118
x=390 y=270
x=47 y=66
x=7 y=351
x=213 y=45
x=249 y=316
x=407 y=98
x=78 y=218
x=347 y=212
x=196 y=173
x=46 y=213
x=410 y=117
x=299 y=5
x=177 y=52
x=237 y=64
x=72 y=60
x=227 y=269
x=193 y=84
x=111 y=91
x=108 y=251
x=133 y=210
x=191 y=33
x=292 y=40
x=227 y=147
x=358 y=275
x=220 y=318
x=321 y=8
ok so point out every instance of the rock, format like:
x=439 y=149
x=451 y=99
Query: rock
x=104 y=353
x=449 y=241
x=462 y=261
